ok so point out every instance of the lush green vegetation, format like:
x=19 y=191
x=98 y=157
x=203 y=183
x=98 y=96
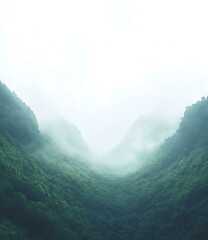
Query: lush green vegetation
x=46 y=194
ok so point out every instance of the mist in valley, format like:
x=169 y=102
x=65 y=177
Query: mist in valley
x=142 y=140
x=103 y=120
x=107 y=80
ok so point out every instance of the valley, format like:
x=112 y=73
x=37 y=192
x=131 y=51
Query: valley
x=48 y=191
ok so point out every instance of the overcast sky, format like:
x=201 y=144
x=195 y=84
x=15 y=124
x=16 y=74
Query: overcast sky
x=103 y=63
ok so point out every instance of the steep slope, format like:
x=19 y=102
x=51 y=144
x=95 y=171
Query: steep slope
x=143 y=138
x=169 y=197
x=67 y=136
x=16 y=118
x=46 y=193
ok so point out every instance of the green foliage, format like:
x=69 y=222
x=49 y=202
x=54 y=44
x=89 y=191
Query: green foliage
x=16 y=118
x=46 y=194
x=10 y=232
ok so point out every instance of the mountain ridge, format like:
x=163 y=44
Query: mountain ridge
x=46 y=193
x=143 y=139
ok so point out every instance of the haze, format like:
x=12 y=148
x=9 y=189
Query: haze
x=103 y=64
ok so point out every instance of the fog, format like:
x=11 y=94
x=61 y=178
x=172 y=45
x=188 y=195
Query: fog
x=104 y=64
x=67 y=138
x=138 y=147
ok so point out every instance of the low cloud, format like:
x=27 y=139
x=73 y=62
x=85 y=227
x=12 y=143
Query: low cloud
x=103 y=64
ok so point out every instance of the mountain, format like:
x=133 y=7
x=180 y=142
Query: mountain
x=67 y=136
x=46 y=193
x=142 y=140
x=16 y=118
x=170 y=195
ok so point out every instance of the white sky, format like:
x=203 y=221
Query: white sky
x=102 y=64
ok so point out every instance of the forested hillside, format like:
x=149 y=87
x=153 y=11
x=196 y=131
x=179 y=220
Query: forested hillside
x=47 y=194
x=44 y=193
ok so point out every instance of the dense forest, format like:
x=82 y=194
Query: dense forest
x=47 y=194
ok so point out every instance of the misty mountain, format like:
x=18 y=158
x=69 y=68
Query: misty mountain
x=16 y=118
x=142 y=140
x=67 y=136
x=44 y=193
x=172 y=190
x=47 y=193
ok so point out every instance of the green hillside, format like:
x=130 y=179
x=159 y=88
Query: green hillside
x=44 y=194
x=47 y=194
